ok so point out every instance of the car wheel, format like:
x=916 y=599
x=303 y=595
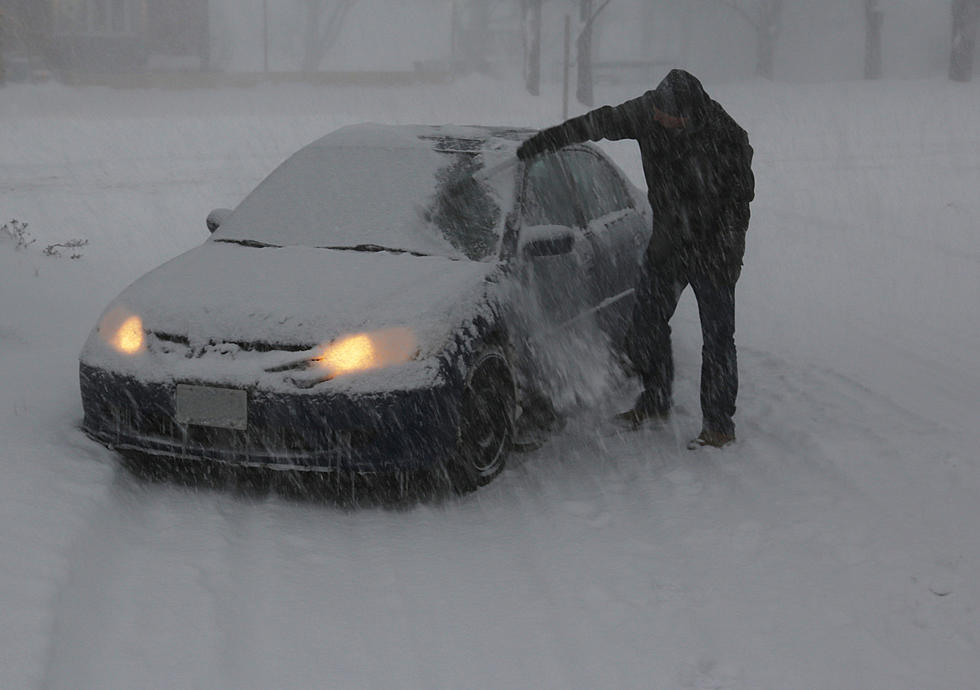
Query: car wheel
x=538 y=420
x=486 y=427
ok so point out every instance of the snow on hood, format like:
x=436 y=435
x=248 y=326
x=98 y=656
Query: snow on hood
x=296 y=296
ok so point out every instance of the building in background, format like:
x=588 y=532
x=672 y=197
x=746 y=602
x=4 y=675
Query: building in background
x=24 y=26
x=128 y=35
x=97 y=35
x=78 y=39
x=94 y=36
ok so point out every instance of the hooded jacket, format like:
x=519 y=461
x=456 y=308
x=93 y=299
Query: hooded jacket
x=699 y=178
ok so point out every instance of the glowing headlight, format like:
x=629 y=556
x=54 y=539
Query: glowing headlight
x=363 y=351
x=129 y=337
x=123 y=331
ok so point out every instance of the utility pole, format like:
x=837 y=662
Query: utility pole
x=566 y=67
x=533 y=25
x=265 y=34
x=2 y=73
x=874 y=18
x=584 y=50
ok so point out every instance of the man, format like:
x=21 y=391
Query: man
x=698 y=167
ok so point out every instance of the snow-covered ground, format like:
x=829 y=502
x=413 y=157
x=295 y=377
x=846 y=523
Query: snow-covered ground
x=836 y=545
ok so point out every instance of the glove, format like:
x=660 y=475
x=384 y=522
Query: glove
x=532 y=147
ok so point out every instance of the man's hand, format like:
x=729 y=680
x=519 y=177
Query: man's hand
x=532 y=147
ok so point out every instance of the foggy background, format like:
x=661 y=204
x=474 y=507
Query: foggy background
x=399 y=41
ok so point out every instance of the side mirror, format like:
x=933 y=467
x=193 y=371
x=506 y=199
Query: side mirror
x=546 y=240
x=217 y=217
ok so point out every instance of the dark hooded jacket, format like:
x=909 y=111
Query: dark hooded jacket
x=699 y=178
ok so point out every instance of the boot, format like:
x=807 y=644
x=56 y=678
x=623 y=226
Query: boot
x=715 y=439
x=635 y=418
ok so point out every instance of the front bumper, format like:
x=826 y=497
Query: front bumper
x=379 y=432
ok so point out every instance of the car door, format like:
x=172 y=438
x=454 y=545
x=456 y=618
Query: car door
x=561 y=282
x=551 y=304
x=617 y=230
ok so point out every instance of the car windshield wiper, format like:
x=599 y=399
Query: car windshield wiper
x=249 y=243
x=375 y=248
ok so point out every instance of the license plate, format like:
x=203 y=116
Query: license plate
x=226 y=408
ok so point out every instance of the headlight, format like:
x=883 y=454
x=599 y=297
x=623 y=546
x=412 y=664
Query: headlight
x=351 y=353
x=363 y=351
x=123 y=331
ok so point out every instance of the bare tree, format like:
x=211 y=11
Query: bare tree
x=874 y=19
x=966 y=17
x=765 y=17
x=324 y=25
x=477 y=26
x=588 y=14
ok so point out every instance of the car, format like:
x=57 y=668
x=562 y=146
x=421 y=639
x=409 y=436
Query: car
x=390 y=299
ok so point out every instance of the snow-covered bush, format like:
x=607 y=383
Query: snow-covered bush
x=73 y=246
x=16 y=231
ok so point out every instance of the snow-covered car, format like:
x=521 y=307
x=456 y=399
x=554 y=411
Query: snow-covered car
x=384 y=301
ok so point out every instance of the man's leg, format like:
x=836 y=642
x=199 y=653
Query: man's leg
x=650 y=348
x=719 y=362
x=713 y=277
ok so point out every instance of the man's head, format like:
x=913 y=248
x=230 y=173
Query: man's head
x=679 y=100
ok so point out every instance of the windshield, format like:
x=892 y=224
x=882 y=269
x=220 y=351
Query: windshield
x=420 y=199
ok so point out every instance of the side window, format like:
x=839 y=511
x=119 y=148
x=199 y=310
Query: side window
x=597 y=184
x=549 y=197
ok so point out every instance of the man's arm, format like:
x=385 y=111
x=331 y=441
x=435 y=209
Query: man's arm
x=608 y=122
x=735 y=180
x=728 y=173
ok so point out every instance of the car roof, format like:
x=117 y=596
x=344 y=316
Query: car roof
x=444 y=138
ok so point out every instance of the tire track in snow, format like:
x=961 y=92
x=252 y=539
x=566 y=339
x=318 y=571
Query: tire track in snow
x=117 y=622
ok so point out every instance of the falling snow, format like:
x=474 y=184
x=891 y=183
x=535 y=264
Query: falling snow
x=833 y=546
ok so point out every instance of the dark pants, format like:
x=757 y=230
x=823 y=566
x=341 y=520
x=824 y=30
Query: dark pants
x=711 y=267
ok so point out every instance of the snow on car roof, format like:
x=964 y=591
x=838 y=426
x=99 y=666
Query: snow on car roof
x=420 y=136
x=388 y=186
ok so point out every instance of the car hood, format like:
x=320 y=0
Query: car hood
x=301 y=296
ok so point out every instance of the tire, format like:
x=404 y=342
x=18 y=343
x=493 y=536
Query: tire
x=538 y=420
x=486 y=425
